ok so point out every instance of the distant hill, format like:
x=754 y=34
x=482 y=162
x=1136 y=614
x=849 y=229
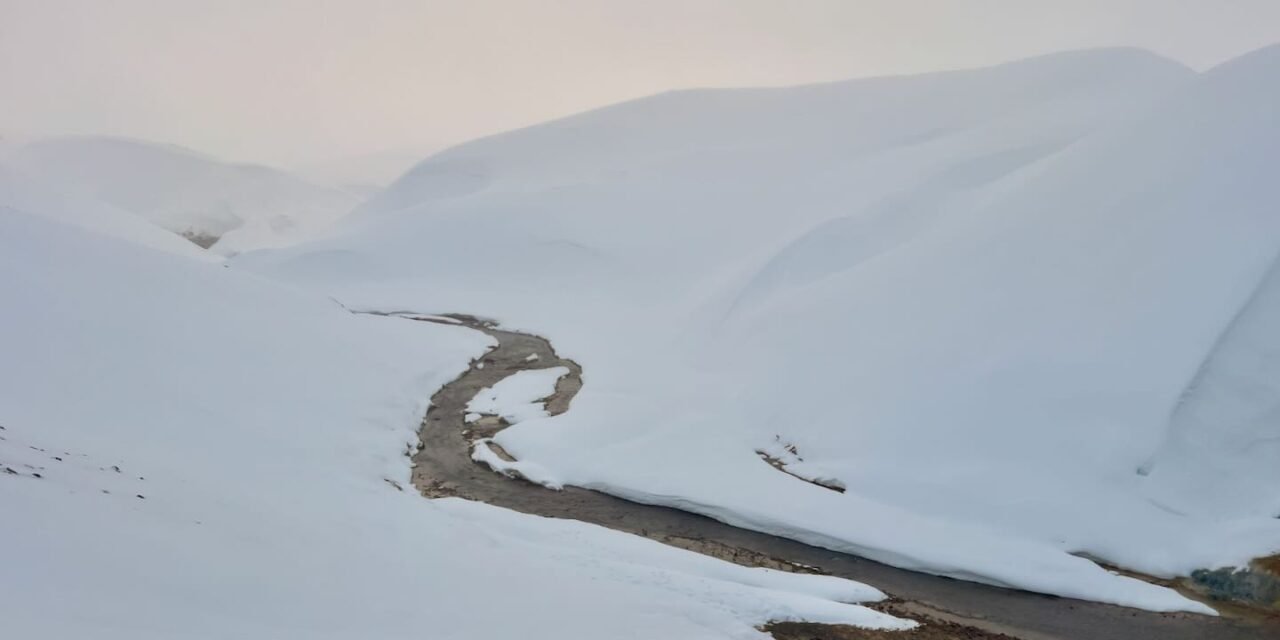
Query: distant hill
x=228 y=207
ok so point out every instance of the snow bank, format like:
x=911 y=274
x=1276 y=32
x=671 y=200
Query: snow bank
x=975 y=298
x=199 y=453
x=482 y=452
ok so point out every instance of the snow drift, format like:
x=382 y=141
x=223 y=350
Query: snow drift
x=976 y=299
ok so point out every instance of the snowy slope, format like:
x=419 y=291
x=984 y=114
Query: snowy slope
x=1222 y=449
x=239 y=206
x=1047 y=335
x=187 y=451
x=22 y=192
x=973 y=298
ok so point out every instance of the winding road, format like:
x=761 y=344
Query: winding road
x=443 y=468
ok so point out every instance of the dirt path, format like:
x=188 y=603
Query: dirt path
x=443 y=467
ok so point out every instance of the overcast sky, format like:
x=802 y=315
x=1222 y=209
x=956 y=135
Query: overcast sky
x=291 y=81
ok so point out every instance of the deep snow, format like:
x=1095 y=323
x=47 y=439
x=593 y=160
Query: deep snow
x=977 y=299
x=199 y=453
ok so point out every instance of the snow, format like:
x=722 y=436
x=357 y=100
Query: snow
x=482 y=452
x=219 y=456
x=242 y=206
x=979 y=299
x=787 y=454
x=518 y=397
x=23 y=192
x=1229 y=411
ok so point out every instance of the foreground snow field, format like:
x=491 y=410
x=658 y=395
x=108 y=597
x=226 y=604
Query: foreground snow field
x=1020 y=313
x=187 y=451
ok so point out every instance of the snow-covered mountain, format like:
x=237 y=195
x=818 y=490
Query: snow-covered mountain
x=1020 y=313
x=230 y=207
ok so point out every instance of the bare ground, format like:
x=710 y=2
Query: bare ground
x=934 y=625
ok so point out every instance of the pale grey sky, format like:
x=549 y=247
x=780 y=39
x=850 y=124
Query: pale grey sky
x=291 y=81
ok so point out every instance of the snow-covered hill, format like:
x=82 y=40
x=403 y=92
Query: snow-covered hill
x=233 y=207
x=975 y=299
x=191 y=452
x=20 y=191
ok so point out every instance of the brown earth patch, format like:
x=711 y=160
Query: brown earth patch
x=930 y=628
x=737 y=555
x=815 y=631
x=1270 y=564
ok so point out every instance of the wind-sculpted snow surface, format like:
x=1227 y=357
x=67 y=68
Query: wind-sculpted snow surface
x=191 y=452
x=235 y=207
x=976 y=300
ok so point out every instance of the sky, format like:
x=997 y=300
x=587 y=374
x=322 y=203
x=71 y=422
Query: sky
x=304 y=82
